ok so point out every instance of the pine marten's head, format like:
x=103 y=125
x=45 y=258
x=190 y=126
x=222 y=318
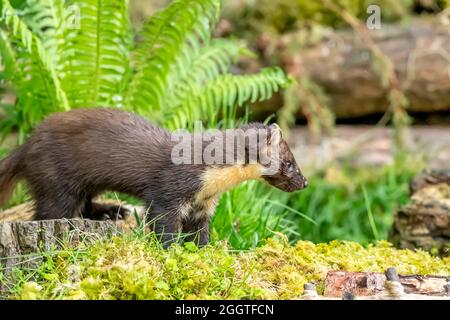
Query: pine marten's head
x=256 y=152
x=283 y=171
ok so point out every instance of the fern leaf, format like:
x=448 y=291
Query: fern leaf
x=170 y=40
x=47 y=19
x=32 y=49
x=10 y=68
x=96 y=56
x=211 y=61
x=223 y=94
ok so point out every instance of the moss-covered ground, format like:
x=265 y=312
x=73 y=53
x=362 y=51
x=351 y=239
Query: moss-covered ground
x=130 y=267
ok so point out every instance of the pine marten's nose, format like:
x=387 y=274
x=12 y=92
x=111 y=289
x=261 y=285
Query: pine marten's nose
x=305 y=182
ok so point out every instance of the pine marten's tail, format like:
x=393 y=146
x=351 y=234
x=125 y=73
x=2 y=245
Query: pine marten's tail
x=9 y=174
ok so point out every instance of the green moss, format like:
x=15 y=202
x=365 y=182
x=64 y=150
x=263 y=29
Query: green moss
x=288 y=268
x=130 y=268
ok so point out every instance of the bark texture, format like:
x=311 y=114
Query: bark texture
x=22 y=241
x=365 y=284
x=425 y=222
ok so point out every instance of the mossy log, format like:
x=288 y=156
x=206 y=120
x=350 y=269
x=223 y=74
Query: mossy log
x=344 y=67
x=23 y=243
x=21 y=238
x=425 y=222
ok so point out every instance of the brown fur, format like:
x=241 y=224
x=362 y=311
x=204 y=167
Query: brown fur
x=9 y=170
x=74 y=156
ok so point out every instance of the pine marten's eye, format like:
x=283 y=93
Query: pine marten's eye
x=289 y=166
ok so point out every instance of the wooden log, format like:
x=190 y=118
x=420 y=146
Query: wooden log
x=343 y=66
x=22 y=240
x=21 y=212
x=373 y=284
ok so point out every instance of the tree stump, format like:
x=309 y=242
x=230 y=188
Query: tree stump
x=425 y=222
x=24 y=242
x=25 y=212
x=27 y=237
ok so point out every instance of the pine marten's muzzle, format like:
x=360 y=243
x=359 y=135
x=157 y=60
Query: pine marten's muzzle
x=287 y=184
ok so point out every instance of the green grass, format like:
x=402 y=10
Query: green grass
x=136 y=267
x=245 y=216
x=334 y=206
x=350 y=204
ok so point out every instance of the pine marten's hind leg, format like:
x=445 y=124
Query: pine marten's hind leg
x=51 y=205
x=165 y=221
x=197 y=231
x=101 y=211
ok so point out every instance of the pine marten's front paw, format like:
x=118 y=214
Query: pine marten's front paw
x=108 y=212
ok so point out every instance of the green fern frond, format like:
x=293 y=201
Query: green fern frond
x=31 y=48
x=47 y=19
x=170 y=41
x=11 y=73
x=211 y=61
x=96 y=55
x=178 y=74
x=10 y=68
x=214 y=60
x=224 y=93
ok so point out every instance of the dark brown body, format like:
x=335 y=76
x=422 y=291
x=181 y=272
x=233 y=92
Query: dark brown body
x=74 y=156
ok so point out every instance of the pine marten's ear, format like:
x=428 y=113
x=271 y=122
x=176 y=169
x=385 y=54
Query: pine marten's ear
x=275 y=134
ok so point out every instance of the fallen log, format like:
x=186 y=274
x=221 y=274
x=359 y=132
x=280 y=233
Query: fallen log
x=21 y=212
x=343 y=66
x=367 y=284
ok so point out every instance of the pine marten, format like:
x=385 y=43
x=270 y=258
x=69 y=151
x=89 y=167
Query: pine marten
x=74 y=156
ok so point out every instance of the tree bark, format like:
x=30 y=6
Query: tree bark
x=28 y=237
x=365 y=284
x=23 y=241
x=425 y=222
